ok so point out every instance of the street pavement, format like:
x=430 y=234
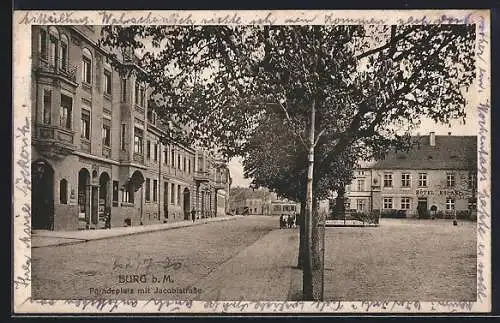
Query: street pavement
x=247 y=258
x=46 y=238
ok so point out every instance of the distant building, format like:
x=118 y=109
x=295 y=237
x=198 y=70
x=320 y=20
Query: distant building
x=261 y=202
x=438 y=174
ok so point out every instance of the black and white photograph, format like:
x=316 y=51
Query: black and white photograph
x=239 y=162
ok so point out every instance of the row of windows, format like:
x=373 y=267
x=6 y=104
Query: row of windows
x=423 y=180
x=152 y=188
x=57 y=55
x=406 y=203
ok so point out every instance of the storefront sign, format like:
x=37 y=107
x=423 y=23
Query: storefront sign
x=454 y=193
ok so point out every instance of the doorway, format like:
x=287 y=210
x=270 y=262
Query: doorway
x=42 y=196
x=187 y=203
x=84 y=198
x=422 y=207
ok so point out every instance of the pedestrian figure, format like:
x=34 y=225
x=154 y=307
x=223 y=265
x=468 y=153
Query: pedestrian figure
x=107 y=217
x=282 y=221
x=193 y=215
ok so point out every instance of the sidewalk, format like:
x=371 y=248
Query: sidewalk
x=45 y=238
x=263 y=271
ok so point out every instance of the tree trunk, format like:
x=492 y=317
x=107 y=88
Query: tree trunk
x=302 y=234
x=307 y=281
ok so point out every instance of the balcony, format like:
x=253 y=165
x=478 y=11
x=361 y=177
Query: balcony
x=220 y=185
x=53 y=141
x=58 y=69
x=201 y=176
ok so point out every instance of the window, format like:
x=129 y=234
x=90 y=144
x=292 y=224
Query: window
x=387 y=180
x=179 y=161
x=123 y=136
x=155 y=152
x=361 y=185
x=405 y=180
x=361 y=172
x=65 y=112
x=43 y=44
x=155 y=190
x=53 y=50
x=184 y=161
x=165 y=155
x=450 y=180
x=151 y=116
x=148 y=189
x=360 y=205
x=179 y=195
x=63 y=53
x=47 y=106
x=405 y=203
x=85 y=131
x=471 y=181
x=63 y=191
x=124 y=90
x=450 y=203
x=172 y=157
x=138 y=141
x=148 y=149
x=472 y=203
x=422 y=180
x=106 y=135
x=107 y=82
x=87 y=69
x=139 y=94
x=189 y=165
x=387 y=202
x=115 y=191
x=172 y=193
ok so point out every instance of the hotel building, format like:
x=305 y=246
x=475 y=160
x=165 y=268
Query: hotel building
x=437 y=175
x=98 y=148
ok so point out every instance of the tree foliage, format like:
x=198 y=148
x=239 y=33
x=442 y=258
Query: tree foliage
x=364 y=80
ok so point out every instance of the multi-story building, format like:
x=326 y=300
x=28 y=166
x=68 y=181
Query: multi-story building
x=98 y=148
x=437 y=175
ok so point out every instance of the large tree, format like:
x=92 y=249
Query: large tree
x=355 y=85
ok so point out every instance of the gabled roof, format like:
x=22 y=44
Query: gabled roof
x=449 y=152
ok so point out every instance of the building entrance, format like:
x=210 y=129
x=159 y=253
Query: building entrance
x=42 y=196
x=422 y=207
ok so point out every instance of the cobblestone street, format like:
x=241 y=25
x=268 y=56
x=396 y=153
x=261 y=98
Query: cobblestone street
x=181 y=259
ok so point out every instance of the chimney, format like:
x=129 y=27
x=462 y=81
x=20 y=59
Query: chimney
x=432 y=138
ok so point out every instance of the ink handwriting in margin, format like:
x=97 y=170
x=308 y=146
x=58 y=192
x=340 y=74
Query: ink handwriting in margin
x=23 y=182
x=60 y=17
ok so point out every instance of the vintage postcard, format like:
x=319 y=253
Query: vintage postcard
x=251 y=162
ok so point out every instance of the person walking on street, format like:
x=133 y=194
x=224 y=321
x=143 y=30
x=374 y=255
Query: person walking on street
x=193 y=215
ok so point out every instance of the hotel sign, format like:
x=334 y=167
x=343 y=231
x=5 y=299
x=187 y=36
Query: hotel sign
x=449 y=192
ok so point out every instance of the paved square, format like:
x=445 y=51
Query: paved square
x=425 y=260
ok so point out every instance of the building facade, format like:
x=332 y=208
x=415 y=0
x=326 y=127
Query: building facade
x=98 y=148
x=437 y=175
